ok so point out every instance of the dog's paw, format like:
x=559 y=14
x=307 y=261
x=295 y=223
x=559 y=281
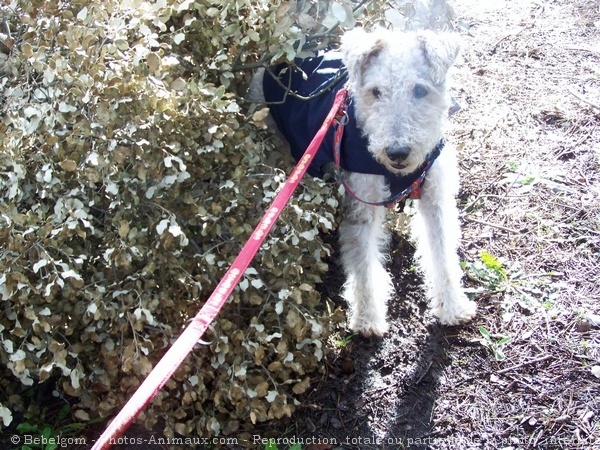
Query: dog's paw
x=368 y=327
x=457 y=311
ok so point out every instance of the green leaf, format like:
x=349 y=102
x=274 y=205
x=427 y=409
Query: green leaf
x=504 y=341
x=499 y=355
x=485 y=333
x=26 y=427
x=271 y=445
x=64 y=412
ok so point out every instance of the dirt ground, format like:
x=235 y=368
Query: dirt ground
x=525 y=373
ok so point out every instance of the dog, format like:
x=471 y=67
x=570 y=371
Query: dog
x=392 y=145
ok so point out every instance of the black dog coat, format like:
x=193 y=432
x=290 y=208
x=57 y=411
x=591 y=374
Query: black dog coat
x=299 y=119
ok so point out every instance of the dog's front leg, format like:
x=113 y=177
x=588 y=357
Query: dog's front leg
x=363 y=239
x=436 y=228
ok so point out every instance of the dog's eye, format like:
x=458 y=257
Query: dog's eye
x=420 y=91
x=376 y=93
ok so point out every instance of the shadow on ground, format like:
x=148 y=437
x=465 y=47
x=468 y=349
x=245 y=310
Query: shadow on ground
x=377 y=393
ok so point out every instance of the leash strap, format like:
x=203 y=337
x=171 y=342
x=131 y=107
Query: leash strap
x=199 y=324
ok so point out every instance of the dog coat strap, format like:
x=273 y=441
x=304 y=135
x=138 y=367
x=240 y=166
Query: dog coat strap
x=412 y=191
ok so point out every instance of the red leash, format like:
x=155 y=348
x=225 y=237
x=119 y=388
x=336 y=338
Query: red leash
x=198 y=325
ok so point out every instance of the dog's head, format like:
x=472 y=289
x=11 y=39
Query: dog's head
x=398 y=83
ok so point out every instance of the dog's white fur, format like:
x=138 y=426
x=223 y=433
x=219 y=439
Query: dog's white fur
x=398 y=83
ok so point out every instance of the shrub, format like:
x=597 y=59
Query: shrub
x=132 y=173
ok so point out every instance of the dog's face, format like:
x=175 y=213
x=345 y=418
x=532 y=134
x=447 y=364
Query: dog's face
x=398 y=83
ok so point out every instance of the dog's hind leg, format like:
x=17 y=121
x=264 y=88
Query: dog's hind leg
x=363 y=239
x=436 y=228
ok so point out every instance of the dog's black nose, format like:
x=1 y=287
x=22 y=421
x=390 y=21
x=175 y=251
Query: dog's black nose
x=397 y=153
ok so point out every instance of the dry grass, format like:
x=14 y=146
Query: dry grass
x=530 y=152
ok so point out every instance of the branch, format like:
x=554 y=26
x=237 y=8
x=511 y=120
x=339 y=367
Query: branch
x=500 y=227
x=288 y=91
x=250 y=66
x=526 y=363
x=309 y=39
x=583 y=99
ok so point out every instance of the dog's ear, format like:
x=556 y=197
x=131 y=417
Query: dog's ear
x=440 y=50
x=359 y=49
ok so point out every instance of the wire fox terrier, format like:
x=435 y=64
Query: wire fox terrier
x=392 y=145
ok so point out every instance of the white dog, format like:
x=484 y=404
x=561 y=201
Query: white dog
x=393 y=146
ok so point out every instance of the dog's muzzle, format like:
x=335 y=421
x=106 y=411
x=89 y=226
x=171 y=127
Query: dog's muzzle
x=398 y=155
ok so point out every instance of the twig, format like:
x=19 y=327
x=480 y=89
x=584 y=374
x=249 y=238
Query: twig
x=527 y=363
x=529 y=25
x=288 y=90
x=236 y=67
x=425 y=372
x=331 y=29
x=250 y=66
x=491 y=183
x=582 y=49
x=494 y=225
x=583 y=99
x=577 y=144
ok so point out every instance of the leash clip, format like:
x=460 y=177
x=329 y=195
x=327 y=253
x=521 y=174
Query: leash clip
x=342 y=118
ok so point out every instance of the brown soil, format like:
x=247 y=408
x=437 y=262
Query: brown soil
x=529 y=84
